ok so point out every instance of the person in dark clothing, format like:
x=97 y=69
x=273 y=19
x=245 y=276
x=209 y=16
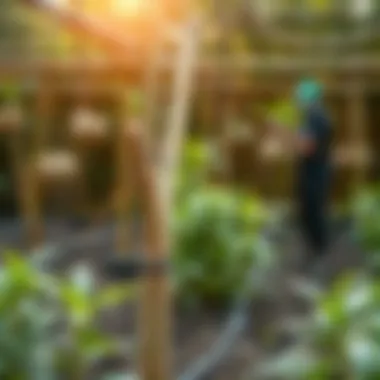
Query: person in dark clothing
x=314 y=170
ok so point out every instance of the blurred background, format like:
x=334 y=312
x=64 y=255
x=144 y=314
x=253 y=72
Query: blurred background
x=133 y=127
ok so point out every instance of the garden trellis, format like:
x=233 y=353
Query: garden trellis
x=154 y=182
x=135 y=133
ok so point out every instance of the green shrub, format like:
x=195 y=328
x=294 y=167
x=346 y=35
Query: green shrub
x=217 y=237
x=366 y=212
x=341 y=340
x=217 y=233
x=197 y=158
x=47 y=324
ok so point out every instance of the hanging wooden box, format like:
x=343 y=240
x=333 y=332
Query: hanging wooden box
x=275 y=167
x=57 y=167
x=11 y=118
x=88 y=127
x=272 y=150
x=355 y=156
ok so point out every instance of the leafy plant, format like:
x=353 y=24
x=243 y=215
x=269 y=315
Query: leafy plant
x=10 y=92
x=340 y=340
x=48 y=325
x=196 y=160
x=216 y=243
x=284 y=113
x=217 y=233
x=366 y=212
x=135 y=102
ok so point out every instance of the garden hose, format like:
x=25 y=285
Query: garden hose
x=235 y=324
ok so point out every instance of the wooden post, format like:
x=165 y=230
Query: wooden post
x=125 y=185
x=152 y=82
x=178 y=112
x=155 y=356
x=154 y=320
x=14 y=147
x=32 y=186
x=228 y=118
x=357 y=133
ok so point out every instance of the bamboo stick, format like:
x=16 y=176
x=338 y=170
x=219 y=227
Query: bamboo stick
x=125 y=184
x=155 y=311
x=155 y=356
x=32 y=190
x=357 y=131
x=178 y=111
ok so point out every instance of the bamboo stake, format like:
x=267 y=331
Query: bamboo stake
x=154 y=319
x=32 y=189
x=178 y=111
x=124 y=185
x=153 y=81
x=155 y=356
x=14 y=150
x=357 y=126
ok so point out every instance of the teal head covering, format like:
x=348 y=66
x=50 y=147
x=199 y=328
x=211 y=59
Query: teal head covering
x=308 y=92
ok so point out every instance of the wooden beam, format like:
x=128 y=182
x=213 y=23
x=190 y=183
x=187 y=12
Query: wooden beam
x=363 y=65
x=273 y=85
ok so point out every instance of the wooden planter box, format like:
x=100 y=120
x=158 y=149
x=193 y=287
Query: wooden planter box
x=88 y=127
x=11 y=118
x=57 y=167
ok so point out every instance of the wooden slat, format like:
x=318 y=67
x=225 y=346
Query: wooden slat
x=365 y=65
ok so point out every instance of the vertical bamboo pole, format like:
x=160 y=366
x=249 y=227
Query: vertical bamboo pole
x=15 y=152
x=155 y=356
x=178 y=112
x=32 y=186
x=124 y=183
x=357 y=131
x=152 y=82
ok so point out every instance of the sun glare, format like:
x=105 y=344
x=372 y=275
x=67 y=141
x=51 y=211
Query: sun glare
x=128 y=7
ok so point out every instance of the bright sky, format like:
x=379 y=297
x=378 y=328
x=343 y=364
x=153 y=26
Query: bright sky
x=124 y=6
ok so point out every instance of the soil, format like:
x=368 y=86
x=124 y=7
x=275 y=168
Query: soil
x=195 y=333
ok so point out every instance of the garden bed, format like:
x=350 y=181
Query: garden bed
x=196 y=333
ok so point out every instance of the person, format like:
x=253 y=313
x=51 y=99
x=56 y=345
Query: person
x=313 y=143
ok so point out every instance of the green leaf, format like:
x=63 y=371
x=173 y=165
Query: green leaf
x=115 y=295
x=79 y=306
x=296 y=364
x=82 y=277
x=135 y=102
x=121 y=376
x=285 y=114
x=363 y=356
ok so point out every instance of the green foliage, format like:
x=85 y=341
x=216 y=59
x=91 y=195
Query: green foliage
x=10 y=91
x=216 y=234
x=217 y=242
x=135 y=102
x=366 y=211
x=341 y=339
x=196 y=160
x=284 y=113
x=47 y=324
